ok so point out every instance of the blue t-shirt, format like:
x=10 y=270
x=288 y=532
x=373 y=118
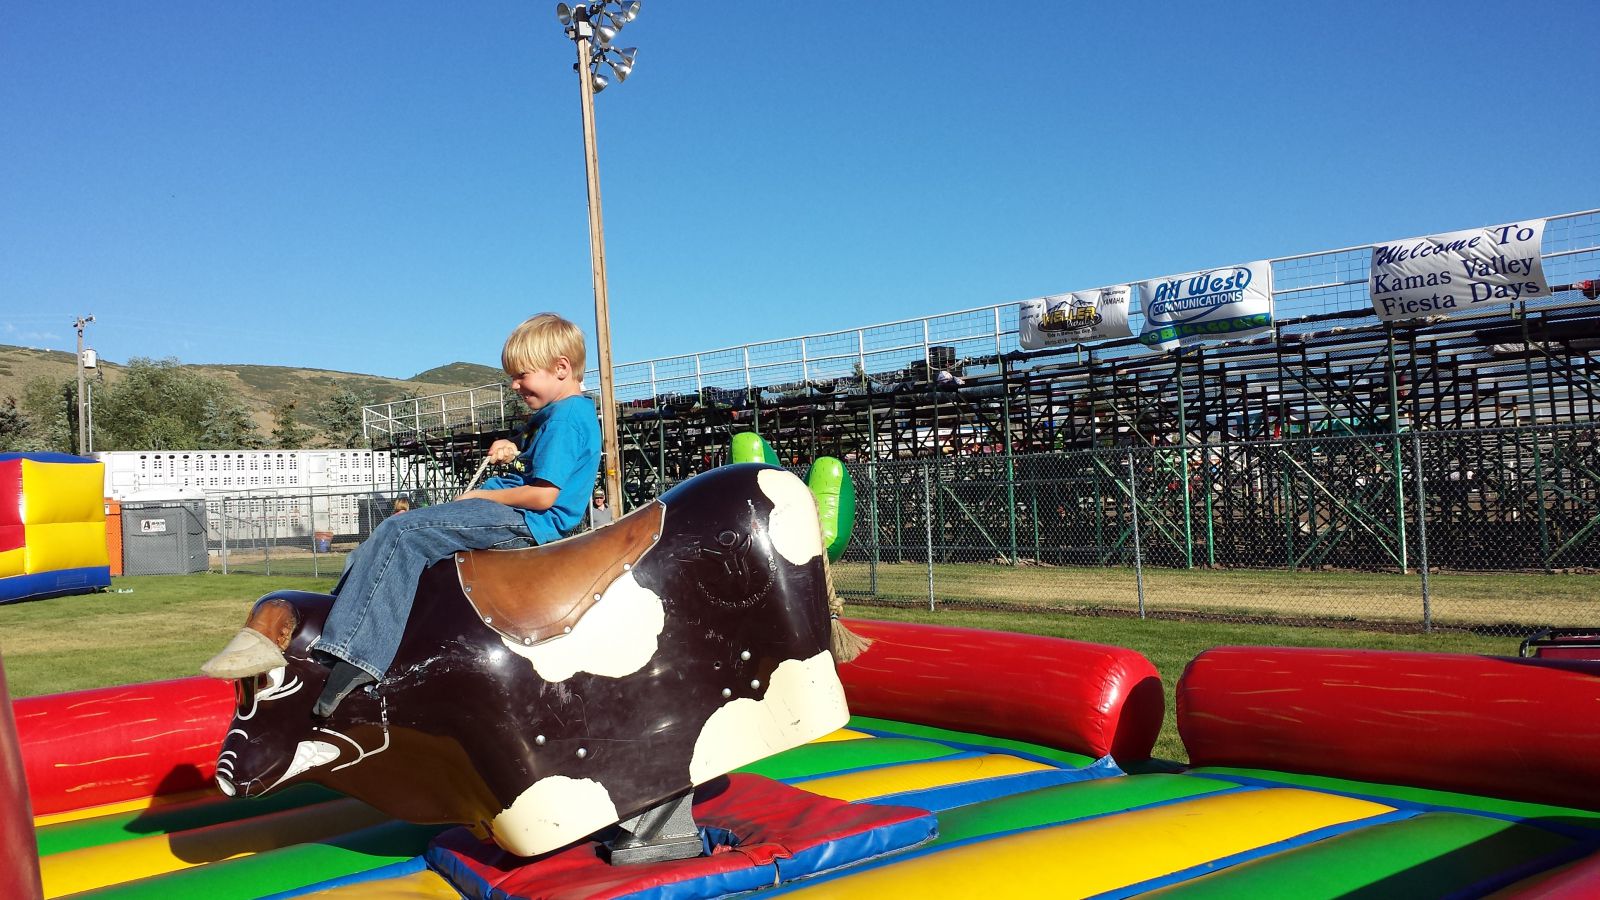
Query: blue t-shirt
x=561 y=446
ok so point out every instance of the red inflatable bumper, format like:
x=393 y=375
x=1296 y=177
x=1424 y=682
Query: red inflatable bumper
x=1087 y=698
x=1521 y=729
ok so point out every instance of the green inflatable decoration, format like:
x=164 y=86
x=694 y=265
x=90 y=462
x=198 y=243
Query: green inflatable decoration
x=749 y=447
x=829 y=481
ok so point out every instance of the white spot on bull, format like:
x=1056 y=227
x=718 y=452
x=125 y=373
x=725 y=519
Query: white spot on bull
x=804 y=701
x=554 y=811
x=615 y=638
x=796 y=527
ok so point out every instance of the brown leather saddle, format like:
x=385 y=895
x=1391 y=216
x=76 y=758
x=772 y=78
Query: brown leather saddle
x=540 y=593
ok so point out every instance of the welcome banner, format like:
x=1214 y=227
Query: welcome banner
x=1075 y=318
x=1217 y=304
x=1441 y=274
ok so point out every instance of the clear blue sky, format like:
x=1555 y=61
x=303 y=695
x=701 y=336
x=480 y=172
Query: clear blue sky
x=389 y=186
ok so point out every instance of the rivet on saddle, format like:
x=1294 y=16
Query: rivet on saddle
x=540 y=593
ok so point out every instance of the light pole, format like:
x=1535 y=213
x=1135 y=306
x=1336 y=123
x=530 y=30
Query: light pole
x=83 y=430
x=593 y=26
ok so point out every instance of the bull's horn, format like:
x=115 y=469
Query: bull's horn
x=259 y=645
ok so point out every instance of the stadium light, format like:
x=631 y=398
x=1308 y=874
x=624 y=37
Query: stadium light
x=593 y=26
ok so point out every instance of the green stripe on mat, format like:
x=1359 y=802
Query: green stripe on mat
x=1067 y=802
x=809 y=760
x=1066 y=757
x=282 y=869
x=117 y=827
x=1431 y=855
x=1580 y=818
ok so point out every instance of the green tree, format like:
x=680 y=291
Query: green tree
x=161 y=405
x=339 y=417
x=287 y=434
x=14 y=425
x=51 y=410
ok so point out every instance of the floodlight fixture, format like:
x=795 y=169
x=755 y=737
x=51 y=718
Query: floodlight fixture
x=563 y=14
x=621 y=62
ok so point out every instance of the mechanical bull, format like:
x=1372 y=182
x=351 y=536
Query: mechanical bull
x=541 y=695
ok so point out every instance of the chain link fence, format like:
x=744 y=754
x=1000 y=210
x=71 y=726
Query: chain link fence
x=308 y=533
x=1494 y=531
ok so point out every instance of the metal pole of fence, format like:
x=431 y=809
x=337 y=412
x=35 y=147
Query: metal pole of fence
x=927 y=521
x=311 y=507
x=873 y=480
x=1422 y=532
x=1183 y=467
x=224 y=531
x=1394 y=429
x=1011 y=466
x=1138 y=553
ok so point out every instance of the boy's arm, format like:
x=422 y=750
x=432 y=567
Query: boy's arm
x=537 y=496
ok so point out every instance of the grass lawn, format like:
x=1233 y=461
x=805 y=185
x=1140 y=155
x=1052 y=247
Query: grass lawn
x=167 y=625
x=1467 y=600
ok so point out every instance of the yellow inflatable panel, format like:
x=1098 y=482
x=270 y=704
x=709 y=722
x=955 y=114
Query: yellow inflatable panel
x=843 y=734
x=67 y=545
x=94 y=867
x=421 y=886
x=1081 y=859
x=63 y=492
x=125 y=806
x=918 y=776
x=12 y=562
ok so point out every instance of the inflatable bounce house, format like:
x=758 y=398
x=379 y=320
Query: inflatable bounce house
x=651 y=710
x=52 y=526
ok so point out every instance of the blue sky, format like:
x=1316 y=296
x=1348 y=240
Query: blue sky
x=389 y=186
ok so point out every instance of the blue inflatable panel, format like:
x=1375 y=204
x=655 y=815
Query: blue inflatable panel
x=53 y=584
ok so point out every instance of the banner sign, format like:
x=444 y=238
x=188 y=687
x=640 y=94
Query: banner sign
x=1220 y=304
x=1445 y=273
x=1075 y=318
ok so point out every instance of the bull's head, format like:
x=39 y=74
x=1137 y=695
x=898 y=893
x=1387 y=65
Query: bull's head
x=543 y=694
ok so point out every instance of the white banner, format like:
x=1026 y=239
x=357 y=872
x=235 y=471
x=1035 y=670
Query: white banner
x=1075 y=318
x=1443 y=274
x=1219 y=304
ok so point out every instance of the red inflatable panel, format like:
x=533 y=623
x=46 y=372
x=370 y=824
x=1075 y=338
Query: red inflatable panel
x=1087 y=698
x=1520 y=729
x=19 y=877
x=1579 y=881
x=113 y=744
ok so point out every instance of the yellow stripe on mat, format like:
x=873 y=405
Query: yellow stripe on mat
x=843 y=734
x=92 y=867
x=111 y=809
x=1081 y=859
x=420 y=886
x=918 y=776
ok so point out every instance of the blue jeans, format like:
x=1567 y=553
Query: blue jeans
x=376 y=592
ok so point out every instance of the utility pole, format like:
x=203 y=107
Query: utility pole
x=587 y=24
x=83 y=423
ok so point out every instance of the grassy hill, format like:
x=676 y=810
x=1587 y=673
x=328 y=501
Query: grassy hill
x=262 y=388
x=461 y=374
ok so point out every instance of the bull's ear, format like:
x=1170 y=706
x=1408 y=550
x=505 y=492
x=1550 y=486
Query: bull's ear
x=275 y=618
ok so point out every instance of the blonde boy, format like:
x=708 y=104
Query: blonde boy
x=554 y=460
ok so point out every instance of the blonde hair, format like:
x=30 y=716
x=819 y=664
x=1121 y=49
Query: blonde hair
x=537 y=342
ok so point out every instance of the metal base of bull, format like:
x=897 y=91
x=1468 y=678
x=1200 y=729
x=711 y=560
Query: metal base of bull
x=661 y=833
